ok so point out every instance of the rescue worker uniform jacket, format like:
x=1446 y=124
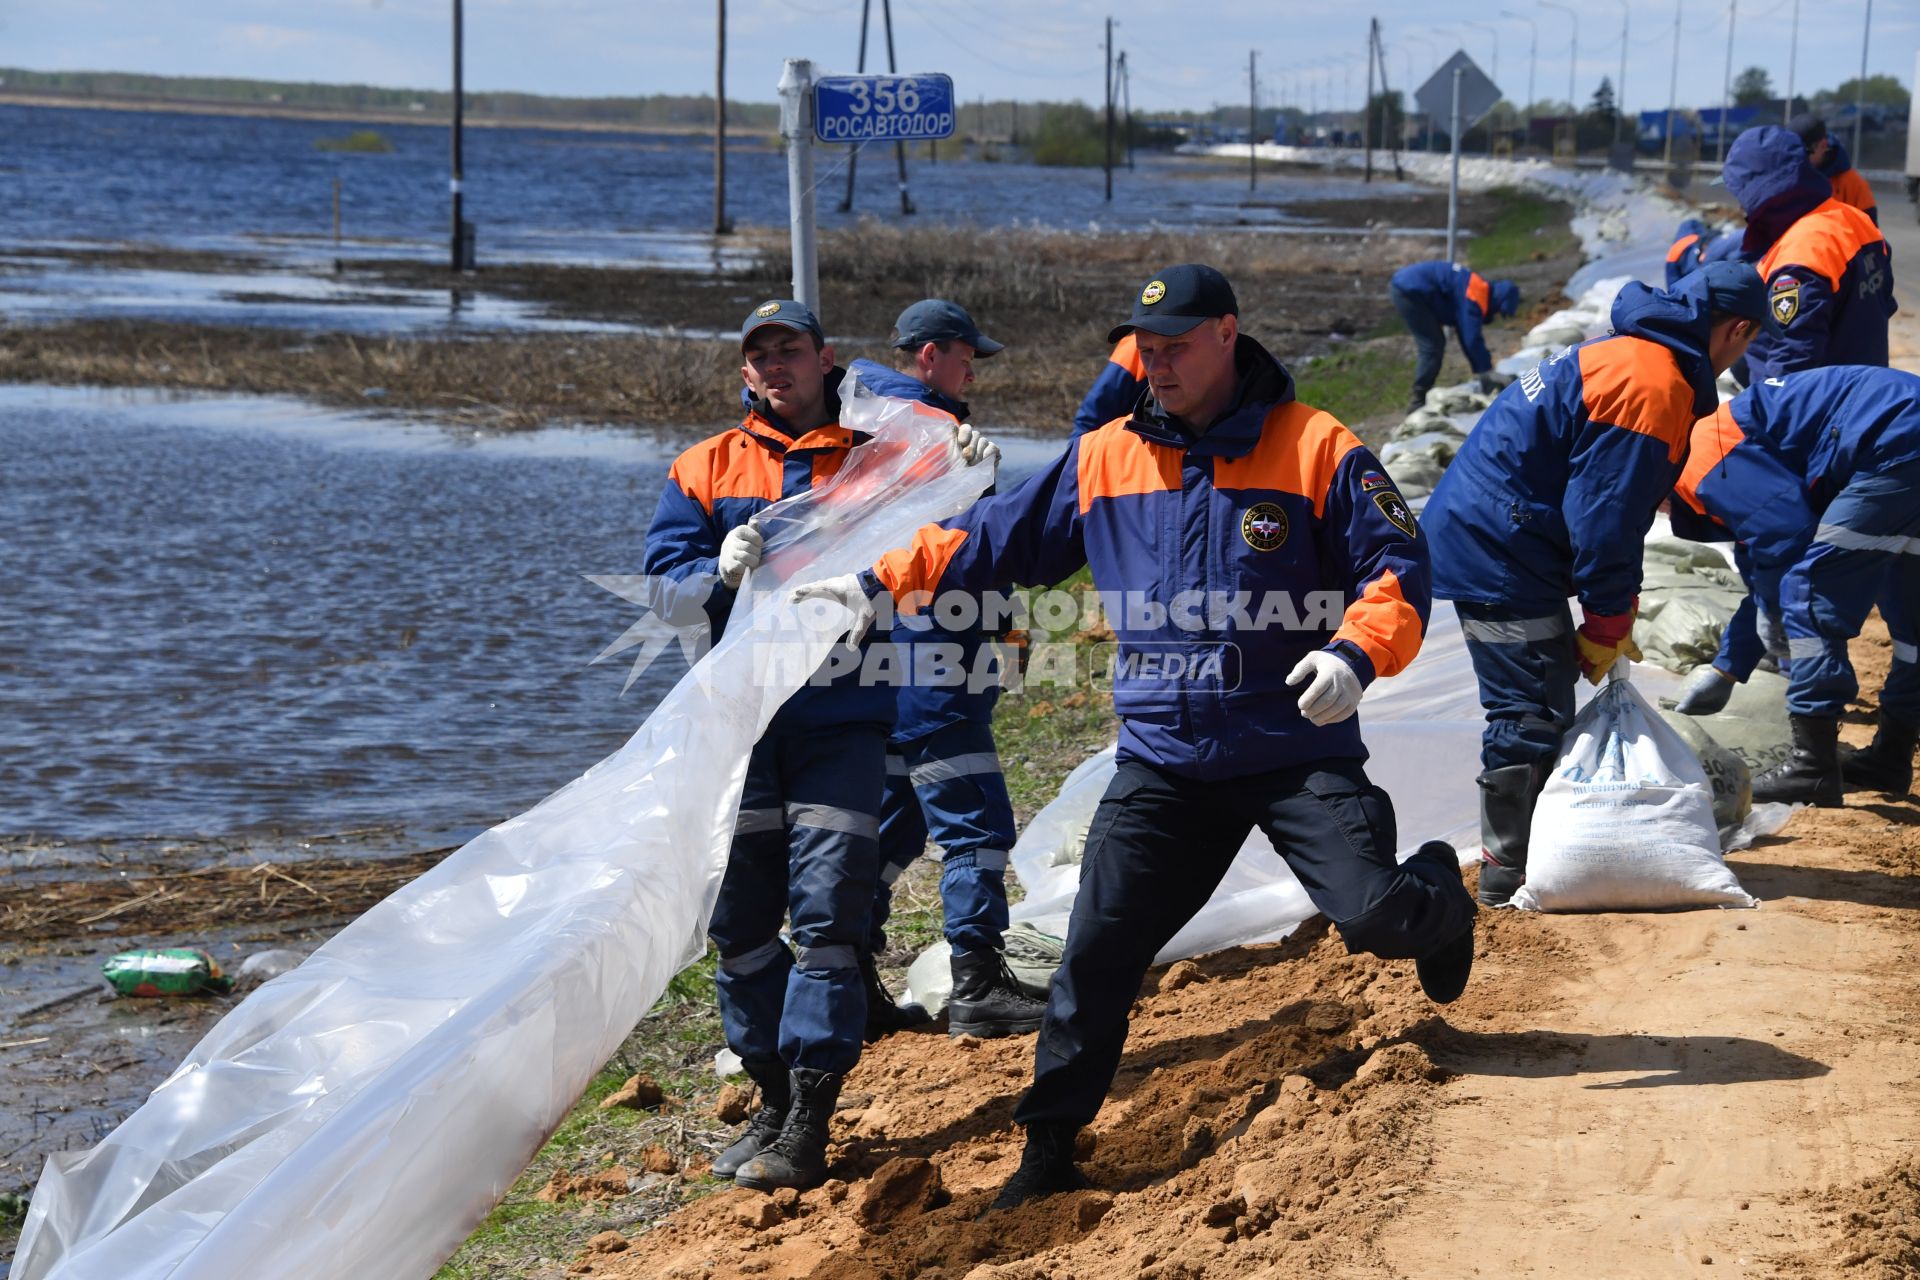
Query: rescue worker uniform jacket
x=1828 y=271
x=1116 y=391
x=1816 y=474
x=1695 y=245
x=723 y=482
x=1271 y=506
x=1849 y=187
x=1553 y=492
x=1459 y=299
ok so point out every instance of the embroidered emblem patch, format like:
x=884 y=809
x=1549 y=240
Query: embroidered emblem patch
x=1264 y=526
x=1154 y=291
x=1398 y=514
x=767 y=309
x=1785 y=299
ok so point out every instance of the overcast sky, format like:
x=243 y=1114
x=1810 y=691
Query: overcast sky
x=1027 y=49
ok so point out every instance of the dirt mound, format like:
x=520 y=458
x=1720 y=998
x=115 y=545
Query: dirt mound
x=1875 y=1227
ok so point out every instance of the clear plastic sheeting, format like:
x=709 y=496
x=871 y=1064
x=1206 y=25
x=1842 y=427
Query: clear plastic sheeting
x=358 y=1115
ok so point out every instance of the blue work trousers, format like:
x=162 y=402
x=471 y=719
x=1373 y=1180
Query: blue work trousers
x=948 y=784
x=1740 y=647
x=1429 y=339
x=1159 y=845
x=805 y=847
x=1526 y=666
x=1866 y=551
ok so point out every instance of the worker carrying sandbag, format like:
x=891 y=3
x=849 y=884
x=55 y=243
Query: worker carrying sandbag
x=1625 y=822
x=1817 y=472
x=1551 y=496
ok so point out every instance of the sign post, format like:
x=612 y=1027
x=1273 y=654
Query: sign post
x=796 y=130
x=1460 y=91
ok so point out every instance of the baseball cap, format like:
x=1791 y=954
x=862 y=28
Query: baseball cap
x=784 y=312
x=937 y=320
x=1178 y=298
x=1737 y=289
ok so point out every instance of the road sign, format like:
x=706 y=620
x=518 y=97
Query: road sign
x=1477 y=93
x=905 y=108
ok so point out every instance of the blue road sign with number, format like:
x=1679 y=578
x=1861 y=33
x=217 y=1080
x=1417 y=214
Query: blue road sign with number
x=911 y=108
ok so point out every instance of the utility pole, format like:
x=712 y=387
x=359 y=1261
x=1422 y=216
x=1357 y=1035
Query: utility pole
x=1673 y=82
x=893 y=68
x=1573 y=62
x=1109 y=160
x=454 y=183
x=1126 y=92
x=1726 y=89
x=1793 y=51
x=720 y=224
x=1620 y=89
x=1253 y=129
x=1366 y=113
x=1533 y=56
x=1860 y=85
x=860 y=66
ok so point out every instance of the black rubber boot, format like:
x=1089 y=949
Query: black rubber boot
x=1885 y=766
x=987 y=1001
x=798 y=1157
x=1444 y=973
x=1046 y=1167
x=1417 y=401
x=776 y=1096
x=1507 y=797
x=884 y=1017
x=1811 y=775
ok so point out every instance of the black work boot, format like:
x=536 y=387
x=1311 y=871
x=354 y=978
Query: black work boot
x=987 y=1001
x=1811 y=774
x=1887 y=765
x=1417 y=401
x=1443 y=973
x=884 y=1017
x=776 y=1096
x=1507 y=797
x=798 y=1157
x=1046 y=1167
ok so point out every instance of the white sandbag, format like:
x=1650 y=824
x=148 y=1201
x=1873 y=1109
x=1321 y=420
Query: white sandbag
x=1626 y=821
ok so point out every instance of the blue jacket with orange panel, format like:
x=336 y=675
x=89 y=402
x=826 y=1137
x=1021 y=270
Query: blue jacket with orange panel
x=1458 y=298
x=1737 y=487
x=925 y=708
x=1222 y=558
x=1555 y=488
x=1695 y=245
x=1828 y=272
x=720 y=484
x=1116 y=391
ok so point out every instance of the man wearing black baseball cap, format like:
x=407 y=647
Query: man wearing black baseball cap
x=1219 y=484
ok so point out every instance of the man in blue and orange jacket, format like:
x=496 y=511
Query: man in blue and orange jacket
x=1828 y=272
x=1816 y=474
x=1551 y=496
x=1241 y=543
x=806 y=836
x=1119 y=386
x=1829 y=157
x=1696 y=244
x=1433 y=297
x=943 y=773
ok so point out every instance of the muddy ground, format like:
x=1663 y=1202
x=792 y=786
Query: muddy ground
x=1051 y=296
x=1693 y=1093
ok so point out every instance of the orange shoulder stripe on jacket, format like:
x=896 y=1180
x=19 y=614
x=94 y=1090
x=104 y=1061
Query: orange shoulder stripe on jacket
x=1714 y=437
x=1114 y=463
x=1384 y=624
x=912 y=572
x=1480 y=293
x=1299 y=448
x=726 y=466
x=1825 y=241
x=1635 y=385
x=1681 y=245
x=1126 y=354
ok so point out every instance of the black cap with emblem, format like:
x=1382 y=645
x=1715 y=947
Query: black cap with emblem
x=1178 y=298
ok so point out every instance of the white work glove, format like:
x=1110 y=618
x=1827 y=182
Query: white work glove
x=1705 y=692
x=844 y=591
x=1772 y=630
x=739 y=552
x=1335 y=692
x=975 y=447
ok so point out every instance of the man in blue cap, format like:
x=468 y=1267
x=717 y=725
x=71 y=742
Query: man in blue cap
x=943 y=773
x=806 y=839
x=1433 y=297
x=1234 y=716
x=1551 y=496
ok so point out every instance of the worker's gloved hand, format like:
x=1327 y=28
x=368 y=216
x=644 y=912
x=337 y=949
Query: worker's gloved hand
x=1605 y=638
x=1335 y=692
x=739 y=552
x=975 y=447
x=1487 y=385
x=1772 y=630
x=1705 y=692
x=845 y=591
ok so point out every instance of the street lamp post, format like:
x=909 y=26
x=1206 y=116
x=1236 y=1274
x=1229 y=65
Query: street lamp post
x=1495 y=33
x=1726 y=89
x=1573 y=62
x=1533 y=53
x=1673 y=82
x=1620 y=89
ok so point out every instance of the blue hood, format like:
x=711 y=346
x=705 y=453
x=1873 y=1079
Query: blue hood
x=1768 y=172
x=1680 y=320
x=1505 y=297
x=904 y=386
